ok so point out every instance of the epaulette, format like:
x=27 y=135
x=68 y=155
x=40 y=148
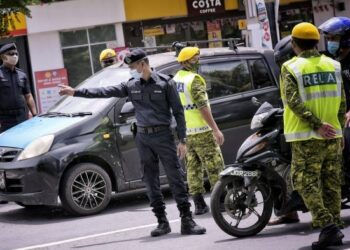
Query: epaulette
x=164 y=76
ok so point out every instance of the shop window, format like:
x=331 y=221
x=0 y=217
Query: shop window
x=81 y=50
x=260 y=74
x=226 y=78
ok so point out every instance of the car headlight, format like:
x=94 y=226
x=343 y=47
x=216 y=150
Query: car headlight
x=37 y=147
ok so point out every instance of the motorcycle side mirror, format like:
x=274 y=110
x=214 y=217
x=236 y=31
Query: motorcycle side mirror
x=255 y=101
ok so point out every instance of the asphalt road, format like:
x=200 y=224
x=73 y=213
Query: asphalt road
x=126 y=225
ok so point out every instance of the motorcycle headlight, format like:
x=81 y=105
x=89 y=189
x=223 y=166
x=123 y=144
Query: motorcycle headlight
x=37 y=147
x=257 y=121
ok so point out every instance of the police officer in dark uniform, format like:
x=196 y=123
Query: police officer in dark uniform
x=15 y=95
x=154 y=96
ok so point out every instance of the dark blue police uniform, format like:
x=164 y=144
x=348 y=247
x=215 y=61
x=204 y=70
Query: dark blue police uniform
x=153 y=101
x=14 y=86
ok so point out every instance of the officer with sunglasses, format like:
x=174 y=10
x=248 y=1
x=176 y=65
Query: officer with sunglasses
x=15 y=94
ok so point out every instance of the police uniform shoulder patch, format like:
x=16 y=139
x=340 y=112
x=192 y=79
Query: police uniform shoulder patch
x=164 y=76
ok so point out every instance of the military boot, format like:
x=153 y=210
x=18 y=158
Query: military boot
x=162 y=228
x=188 y=226
x=200 y=205
x=330 y=236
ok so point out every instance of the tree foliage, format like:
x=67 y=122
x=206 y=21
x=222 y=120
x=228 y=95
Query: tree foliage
x=10 y=9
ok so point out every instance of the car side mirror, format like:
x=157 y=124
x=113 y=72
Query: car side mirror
x=128 y=110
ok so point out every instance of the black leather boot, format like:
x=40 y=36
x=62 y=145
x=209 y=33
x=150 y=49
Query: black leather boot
x=188 y=226
x=162 y=228
x=330 y=236
x=200 y=205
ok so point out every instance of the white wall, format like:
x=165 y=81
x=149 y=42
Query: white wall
x=45 y=51
x=73 y=14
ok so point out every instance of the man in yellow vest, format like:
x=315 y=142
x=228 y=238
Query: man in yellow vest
x=314 y=102
x=203 y=135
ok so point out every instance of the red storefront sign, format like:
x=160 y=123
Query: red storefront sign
x=47 y=87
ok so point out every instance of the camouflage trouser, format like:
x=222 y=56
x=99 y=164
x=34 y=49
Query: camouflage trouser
x=316 y=167
x=203 y=153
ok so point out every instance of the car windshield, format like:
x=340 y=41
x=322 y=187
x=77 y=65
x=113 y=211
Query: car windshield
x=110 y=76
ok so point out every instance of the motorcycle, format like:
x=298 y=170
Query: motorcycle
x=259 y=181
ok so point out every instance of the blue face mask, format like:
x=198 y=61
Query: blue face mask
x=136 y=75
x=333 y=47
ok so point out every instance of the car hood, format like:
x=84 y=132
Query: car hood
x=24 y=133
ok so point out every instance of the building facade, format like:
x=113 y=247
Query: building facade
x=63 y=39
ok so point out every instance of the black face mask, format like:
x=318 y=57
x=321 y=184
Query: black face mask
x=193 y=66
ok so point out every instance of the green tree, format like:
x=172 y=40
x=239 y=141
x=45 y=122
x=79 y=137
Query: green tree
x=9 y=10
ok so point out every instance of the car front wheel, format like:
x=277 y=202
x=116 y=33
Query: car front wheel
x=86 y=189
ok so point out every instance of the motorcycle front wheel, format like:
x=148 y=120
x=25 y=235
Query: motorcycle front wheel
x=231 y=211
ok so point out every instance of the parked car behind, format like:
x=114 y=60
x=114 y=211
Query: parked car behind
x=82 y=149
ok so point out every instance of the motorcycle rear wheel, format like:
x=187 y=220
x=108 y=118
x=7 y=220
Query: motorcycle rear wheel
x=229 y=209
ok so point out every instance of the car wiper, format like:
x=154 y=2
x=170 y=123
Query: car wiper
x=53 y=114
x=80 y=114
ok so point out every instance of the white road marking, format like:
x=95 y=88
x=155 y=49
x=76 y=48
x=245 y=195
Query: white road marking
x=90 y=236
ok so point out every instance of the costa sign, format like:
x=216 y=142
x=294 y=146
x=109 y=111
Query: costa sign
x=202 y=7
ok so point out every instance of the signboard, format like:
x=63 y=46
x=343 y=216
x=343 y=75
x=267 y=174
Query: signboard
x=154 y=31
x=264 y=23
x=19 y=25
x=205 y=7
x=242 y=24
x=46 y=85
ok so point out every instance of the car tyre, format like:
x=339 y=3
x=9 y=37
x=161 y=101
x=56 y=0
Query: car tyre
x=85 y=189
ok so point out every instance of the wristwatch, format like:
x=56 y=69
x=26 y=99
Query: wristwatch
x=183 y=140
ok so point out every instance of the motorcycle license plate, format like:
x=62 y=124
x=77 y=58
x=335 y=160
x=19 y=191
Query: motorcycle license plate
x=239 y=172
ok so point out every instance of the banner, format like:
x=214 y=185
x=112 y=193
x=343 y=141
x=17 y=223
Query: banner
x=264 y=24
x=46 y=85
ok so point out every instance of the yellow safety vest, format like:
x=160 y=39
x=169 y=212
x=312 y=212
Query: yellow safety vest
x=194 y=121
x=319 y=83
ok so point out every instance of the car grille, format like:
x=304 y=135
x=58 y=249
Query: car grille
x=8 y=154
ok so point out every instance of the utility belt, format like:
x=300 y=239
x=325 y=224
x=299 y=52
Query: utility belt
x=152 y=129
x=13 y=112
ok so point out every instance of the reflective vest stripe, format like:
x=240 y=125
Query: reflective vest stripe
x=316 y=95
x=188 y=79
x=198 y=130
x=309 y=134
x=299 y=78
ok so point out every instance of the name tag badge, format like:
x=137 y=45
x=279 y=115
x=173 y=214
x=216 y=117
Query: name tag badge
x=135 y=91
x=158 y=92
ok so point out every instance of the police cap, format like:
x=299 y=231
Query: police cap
x=134 y=56
x=7 y=47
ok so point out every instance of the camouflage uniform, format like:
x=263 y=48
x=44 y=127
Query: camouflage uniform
x=203 y=151
x=316 y=164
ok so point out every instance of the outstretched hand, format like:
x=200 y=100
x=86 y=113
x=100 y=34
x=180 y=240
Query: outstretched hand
x=65 y=90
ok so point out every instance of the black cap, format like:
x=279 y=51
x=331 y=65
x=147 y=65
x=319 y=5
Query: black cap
x=134 y=56
x=7 y=47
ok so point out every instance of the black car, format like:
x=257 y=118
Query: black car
x=82 y=149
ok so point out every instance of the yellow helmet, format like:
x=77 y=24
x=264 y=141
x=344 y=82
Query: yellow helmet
x=106 y=54
x=187 y=53
x=306 y=31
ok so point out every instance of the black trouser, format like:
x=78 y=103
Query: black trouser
x=9 y=121
x=155 y=146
